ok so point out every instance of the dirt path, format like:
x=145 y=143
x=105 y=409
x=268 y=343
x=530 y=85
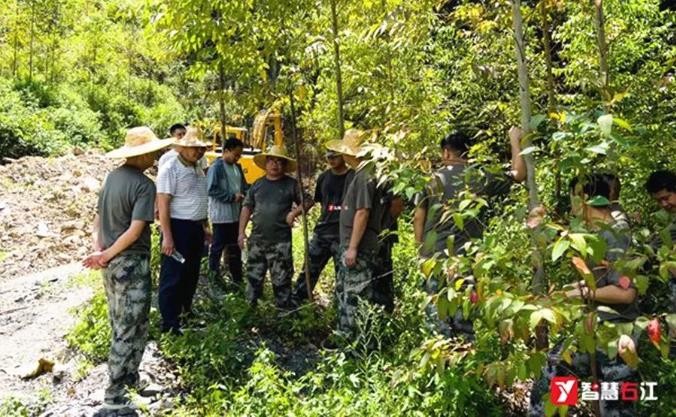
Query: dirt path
x=35 y=315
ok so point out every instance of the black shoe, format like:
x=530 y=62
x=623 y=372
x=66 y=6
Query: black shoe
x=117 y=410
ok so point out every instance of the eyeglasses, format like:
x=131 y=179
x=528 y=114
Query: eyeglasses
x=332 y=156
x=276 y=161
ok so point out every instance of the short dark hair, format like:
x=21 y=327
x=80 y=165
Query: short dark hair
x=232 y=143
x=456 y=141
x=592 y=185
x=661 y=180
x=175 y=127
x=614 y=184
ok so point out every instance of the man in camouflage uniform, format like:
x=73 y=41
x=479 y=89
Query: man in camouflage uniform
x=122 y=243
x=444 y=189
x=325 y=241
x=361 y=222
x=269 y=205
x=612 y=290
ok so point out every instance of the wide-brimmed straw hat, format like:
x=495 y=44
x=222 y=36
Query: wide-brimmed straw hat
x=193 y=139
x=349 y=145
x=139 y=141
x=275 y=152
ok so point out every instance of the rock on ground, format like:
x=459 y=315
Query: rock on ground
x=47 y=206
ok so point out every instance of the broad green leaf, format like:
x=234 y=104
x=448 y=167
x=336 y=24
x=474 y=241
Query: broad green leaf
x=605 y=124
x=558 y=136
x=597 y=246
x=528 y=150
x=579 y=243
x=601 y=148
x=621 y=123
x=536 y=120
x=560 y=248
x=459 y=221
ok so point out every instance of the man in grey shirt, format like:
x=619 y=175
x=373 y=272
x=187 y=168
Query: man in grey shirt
x=122 y=248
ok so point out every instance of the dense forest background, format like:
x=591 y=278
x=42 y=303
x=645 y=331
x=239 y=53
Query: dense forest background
x=601 y=93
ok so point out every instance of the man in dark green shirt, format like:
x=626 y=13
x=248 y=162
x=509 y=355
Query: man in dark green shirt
x=122 y=249
x=435 y=231
x=269 y=204
x=361 y=221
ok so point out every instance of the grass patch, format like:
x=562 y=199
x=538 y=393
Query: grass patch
x=15 y=407
x=89 y=278
x=91 y=334
x=237 y=361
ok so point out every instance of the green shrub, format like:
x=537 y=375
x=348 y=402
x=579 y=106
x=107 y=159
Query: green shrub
x=29 y=128
x=91 y=335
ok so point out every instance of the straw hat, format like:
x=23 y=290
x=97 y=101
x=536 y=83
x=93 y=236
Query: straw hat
x=193 y=139
x=139 y=141
x=277 y=152
x=349 y=145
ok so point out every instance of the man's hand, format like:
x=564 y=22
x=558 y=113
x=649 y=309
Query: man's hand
x=239 y=197
x=350 y=257
x=515 y=135
x=96 y=260
x=168 y=246
x=580 y=290
x=208 y=236
x=290 y=218
x=241 y=239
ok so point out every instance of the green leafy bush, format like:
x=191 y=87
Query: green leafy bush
x=91 y=335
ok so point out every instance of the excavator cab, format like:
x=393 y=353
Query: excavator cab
x=266 y=131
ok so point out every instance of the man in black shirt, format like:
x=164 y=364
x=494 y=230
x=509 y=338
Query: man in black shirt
x=325 y=240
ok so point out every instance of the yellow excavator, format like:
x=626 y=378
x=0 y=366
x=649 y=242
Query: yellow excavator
x=266 y=131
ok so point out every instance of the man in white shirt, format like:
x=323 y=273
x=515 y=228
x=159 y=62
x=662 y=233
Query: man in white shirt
x=182 y=203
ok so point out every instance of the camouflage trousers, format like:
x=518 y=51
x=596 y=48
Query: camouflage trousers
x=610 y=370
x=321 y=249
x=128 y=286
x=278 y=259
x=352 y=286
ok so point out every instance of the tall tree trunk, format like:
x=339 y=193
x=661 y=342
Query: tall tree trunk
x=221 y=98
x=388 y=58
x=547 y=43
x=604 y=70
x=339 y=79
x=15 y=58
x=32 y=38
x=539 y=283
x=299 y=174
x=551 y=89
x=524 y=99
